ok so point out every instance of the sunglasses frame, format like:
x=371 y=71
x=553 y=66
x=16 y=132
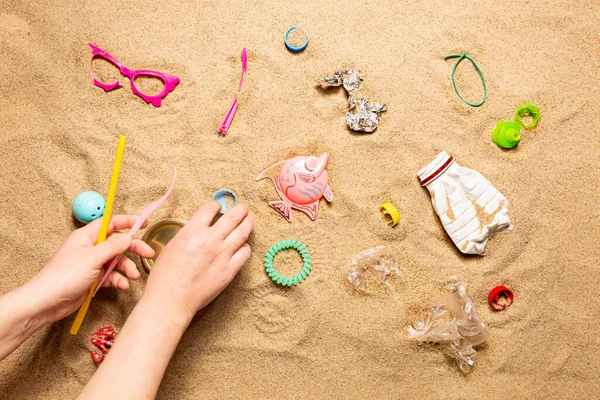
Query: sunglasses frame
x=169 y=81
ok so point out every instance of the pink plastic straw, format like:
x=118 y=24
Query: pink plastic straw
x=231 y=113
x=136 y=227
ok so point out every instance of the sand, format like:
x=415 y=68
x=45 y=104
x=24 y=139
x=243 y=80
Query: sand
x=320 y=339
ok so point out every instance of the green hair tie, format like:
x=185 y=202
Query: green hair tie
x=527 y=110
x=306 y=262
x=460 y=58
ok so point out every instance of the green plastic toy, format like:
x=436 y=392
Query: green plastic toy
x=288 y=244
x=507 y=134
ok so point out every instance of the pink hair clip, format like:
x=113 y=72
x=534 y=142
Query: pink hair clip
x=169 y=81
x=231 y=113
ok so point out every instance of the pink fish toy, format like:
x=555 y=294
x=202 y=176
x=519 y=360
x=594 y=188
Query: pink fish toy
x=300 y=184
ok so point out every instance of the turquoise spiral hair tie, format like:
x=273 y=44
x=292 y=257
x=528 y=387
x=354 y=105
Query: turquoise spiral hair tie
x=460 y=58
x=306 y=262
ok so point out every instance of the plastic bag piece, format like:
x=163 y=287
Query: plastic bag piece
x=380 y=261
x=453 y=323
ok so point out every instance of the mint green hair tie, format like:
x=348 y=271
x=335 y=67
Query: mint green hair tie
x=460 y=58
x=306 y=262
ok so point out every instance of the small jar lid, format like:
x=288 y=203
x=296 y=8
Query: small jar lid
x=158 y=235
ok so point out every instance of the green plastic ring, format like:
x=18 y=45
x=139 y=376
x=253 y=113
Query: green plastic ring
x=527 y=110
x=282 y=245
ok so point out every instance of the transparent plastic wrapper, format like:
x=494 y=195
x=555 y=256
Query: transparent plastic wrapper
x=470 y=208
x=378 y=260
x=362 y=115
x=453 y=323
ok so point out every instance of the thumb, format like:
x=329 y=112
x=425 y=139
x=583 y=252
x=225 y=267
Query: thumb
x=115 y=245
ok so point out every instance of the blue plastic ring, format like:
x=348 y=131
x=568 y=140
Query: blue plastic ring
x=221 y=196
x=289 y=46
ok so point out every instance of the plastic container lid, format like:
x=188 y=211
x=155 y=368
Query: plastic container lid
x=158 y=235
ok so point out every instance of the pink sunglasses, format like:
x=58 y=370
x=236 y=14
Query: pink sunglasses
x=169 y=81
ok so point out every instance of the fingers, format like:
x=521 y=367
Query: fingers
x=141 y=248
x=206 y=214
x=116 y=280
x=138 y=246
x=240 y=257
x=230 y=220
x=240 y=234
x=116 y=244
x=117 y=223
x=129 y=268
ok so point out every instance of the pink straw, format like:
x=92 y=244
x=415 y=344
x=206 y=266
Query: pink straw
x=231 y=113
x=136 y=227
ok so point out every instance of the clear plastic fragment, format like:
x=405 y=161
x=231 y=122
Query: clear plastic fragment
x=453 y=323
x=379 y=261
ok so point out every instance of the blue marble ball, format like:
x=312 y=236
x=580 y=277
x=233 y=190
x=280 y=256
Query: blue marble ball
x=88 y=206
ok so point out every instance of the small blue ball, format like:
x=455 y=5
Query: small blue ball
x=88 y=206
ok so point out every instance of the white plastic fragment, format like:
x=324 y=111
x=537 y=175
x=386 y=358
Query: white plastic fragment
x=470 y=208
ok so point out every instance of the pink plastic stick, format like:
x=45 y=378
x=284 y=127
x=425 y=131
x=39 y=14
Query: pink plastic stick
x=231 y=113
x=136 y=227
x=244 y=67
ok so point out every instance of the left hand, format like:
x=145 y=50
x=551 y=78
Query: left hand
x=64 y=282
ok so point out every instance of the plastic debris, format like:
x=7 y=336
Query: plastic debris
x=506 y=134
x=169 y=81
x=222 y=195
x=379 y=261
x=391 y=211
x=282 y=245
x=453 y=323
x=364 y=118
x=103 y=339
x=470 y=208
x=136 y=227
x=300 y=184
x=296 y=45
x=234 y=106
x=496 y=293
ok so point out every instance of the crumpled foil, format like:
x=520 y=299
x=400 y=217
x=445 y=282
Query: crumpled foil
x=362 y=115
x=453 y=323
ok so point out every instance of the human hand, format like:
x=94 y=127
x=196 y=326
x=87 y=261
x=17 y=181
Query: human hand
x=63 y=283
x=201 y=260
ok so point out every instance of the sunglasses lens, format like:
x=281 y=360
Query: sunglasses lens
x=149 y=85
x=105 y=71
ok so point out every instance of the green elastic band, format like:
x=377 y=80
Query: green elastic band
x=282 y=245
x=460 y=58
x=527 y=110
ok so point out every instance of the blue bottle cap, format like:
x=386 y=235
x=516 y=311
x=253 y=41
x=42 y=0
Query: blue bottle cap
x=222 y=195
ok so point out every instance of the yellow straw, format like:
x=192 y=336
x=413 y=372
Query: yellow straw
x=112 y=189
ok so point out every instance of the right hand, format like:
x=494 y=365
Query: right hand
x=201 y=260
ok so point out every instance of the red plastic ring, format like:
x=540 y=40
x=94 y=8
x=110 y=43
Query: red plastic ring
x=495 y=294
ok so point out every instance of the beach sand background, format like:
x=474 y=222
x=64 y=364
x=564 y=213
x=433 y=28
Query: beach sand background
x=320 y=339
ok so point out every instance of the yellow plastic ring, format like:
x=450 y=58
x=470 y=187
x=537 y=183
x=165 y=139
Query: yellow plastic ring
x=389 y=209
